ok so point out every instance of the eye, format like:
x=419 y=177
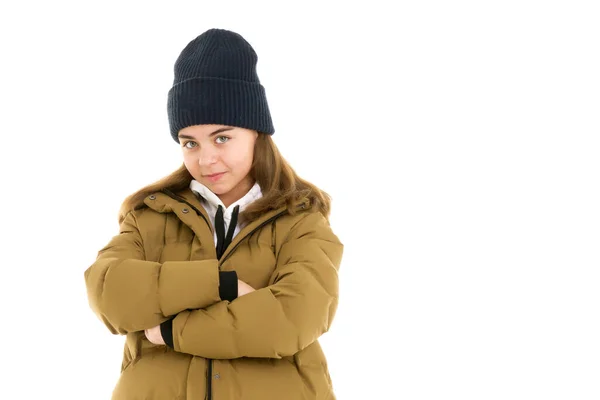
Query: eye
x=188 y=142
x=222 y=139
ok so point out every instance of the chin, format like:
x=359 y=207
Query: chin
x=217 y=188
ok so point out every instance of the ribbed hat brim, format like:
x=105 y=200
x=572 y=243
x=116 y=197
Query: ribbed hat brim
x=218 y=101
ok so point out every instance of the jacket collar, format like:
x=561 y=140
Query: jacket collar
x=187 y=207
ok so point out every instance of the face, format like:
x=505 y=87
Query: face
x=220 y=157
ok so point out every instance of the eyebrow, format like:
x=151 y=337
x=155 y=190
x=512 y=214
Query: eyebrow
x=224 y=129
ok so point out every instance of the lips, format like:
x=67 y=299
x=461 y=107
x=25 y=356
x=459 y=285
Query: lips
x=214 y=177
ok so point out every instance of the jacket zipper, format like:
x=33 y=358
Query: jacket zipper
x=209 y=380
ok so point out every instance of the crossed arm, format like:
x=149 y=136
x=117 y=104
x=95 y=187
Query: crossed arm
x=297 y=306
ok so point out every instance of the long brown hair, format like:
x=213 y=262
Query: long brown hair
x=279 y=183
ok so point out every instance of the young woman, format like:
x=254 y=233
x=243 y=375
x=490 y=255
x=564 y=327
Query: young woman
x=224 y=274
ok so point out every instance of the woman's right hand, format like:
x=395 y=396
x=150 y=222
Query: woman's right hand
x=244 y=288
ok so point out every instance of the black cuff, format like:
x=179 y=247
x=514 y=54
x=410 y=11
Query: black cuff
x=166 y=330
x=228 y=285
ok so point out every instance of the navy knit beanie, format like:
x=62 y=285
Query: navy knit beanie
x=216 y=83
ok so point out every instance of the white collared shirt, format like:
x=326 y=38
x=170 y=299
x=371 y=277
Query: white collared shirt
x=211 y=203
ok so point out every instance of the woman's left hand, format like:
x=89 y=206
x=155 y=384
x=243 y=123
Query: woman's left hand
x=154 y=335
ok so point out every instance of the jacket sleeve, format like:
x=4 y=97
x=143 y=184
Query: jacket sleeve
x=131 y=294
x=281 y=319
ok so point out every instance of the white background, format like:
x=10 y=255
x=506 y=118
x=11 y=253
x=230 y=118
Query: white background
x=459 y=141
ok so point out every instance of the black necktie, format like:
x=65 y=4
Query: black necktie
x=222 y=240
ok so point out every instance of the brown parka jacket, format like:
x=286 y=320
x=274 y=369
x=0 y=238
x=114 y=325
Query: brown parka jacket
x=260 y=346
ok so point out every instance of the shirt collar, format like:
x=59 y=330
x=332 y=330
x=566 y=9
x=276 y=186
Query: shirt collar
x=214 y=201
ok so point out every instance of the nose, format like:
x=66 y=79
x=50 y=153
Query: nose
x=207 y=156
